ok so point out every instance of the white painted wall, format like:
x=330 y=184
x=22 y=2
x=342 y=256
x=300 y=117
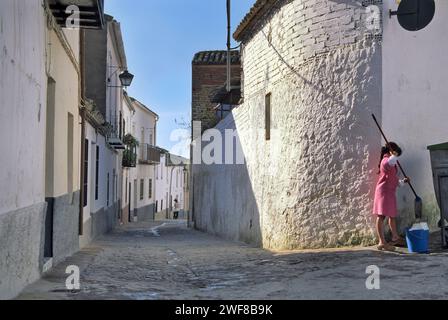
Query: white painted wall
x=144 y=123
x=312 y=184
x=141 y=123
x=128 y=174
x=162 y=184
x=64 y=72
x=109 y=161
x=415 y=95
x=22 y=116
x=30 y=52
x=114 y=95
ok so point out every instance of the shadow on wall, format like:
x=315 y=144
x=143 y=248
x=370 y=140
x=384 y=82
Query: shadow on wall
x=312 y=184
x=224 y=203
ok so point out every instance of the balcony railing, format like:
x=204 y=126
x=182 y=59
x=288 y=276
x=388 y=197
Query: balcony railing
x=149 y=154
x=91 y=12
x=114 y=134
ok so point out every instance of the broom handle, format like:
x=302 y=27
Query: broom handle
x=399 y=165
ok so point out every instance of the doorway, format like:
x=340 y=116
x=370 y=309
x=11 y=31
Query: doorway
x=49 y=167
x=130 y=202
x=135 y=200
x=443 y=191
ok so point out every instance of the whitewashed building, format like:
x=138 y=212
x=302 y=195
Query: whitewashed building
x=41 y=100
x=129 y=173
x=138 y=184
x=314 y=71
x=104 y=62
x=171 y=184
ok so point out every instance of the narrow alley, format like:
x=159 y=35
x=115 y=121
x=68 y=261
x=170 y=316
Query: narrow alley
x=248 y=150
x=168 y=261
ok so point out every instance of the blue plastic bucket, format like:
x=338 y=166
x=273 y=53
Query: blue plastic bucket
x=418 y=241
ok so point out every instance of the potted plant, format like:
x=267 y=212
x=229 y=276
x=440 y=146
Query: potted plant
x=130 y=154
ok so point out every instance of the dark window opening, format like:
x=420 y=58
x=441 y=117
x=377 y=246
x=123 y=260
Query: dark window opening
x=108 y=189
x=120 y=131
x=126 y=191
x=86 y=172
x=97 y=174
x=142 y=186
x=124 y=128
x=268 y=112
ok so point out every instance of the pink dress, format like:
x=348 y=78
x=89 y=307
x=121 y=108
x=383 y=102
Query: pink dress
x=385 y=203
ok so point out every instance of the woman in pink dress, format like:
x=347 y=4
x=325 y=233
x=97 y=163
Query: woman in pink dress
x=385 y=204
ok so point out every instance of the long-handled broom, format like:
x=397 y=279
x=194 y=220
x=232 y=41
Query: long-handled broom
x=418 y=206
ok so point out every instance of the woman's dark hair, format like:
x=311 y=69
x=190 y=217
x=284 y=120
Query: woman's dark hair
x=392 y=146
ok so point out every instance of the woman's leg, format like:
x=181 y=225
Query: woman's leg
x=380 y=229
x=393 y=229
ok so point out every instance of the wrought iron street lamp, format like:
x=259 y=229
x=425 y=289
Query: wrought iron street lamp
x=126 y=78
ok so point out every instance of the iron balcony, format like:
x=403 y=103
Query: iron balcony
x=149 y=154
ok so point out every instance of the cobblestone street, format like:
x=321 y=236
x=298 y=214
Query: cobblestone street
x=165 y=260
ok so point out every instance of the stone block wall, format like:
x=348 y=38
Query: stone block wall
x=22 y=239
x=65 y=227
x=312 y=184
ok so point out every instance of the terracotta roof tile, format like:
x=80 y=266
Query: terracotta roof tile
x=260 y=7
x=216 y=57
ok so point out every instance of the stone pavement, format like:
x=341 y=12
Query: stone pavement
x=165 y=260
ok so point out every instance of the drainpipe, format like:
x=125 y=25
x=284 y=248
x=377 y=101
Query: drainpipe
x=228 y=47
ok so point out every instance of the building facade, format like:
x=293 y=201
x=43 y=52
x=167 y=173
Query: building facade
x=104 y=60
x=314 y=72
x=143 y=190
x=171 y=183
x=18 y=210
x=81 y=153
x=209 y=75
x=62 y=147
x=129 y=174
x=40 y=120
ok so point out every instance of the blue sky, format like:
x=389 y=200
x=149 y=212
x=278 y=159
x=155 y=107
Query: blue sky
x=161 y=38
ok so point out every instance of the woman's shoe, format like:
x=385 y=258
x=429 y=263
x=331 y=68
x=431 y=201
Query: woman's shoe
x=400 y=242
x=386 y=247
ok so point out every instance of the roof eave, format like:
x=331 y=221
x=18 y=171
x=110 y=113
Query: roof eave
x=119 y=43
x=259 y=8
x=145 y=108
x=129 y=101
